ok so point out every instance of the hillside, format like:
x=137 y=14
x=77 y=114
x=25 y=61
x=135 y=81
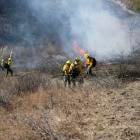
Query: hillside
x=131 y=4
x=52 y=112
x=41 y=36
x=20 y=25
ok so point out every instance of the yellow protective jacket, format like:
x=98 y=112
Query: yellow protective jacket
x=71 y=67
x=66 y=69
x=9 y=61
x=80 y=68
x=89 y=61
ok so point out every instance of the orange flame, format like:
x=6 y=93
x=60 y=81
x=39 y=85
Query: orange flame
x=78 y=50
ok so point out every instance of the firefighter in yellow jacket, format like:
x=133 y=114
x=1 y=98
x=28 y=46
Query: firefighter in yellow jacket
x=66 y=73
x=76 y=72
x=90 y=63
x=7 y=65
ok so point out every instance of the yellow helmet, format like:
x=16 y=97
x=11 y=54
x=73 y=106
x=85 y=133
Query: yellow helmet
x=68 y=62
x=9 y=59
x=86 y=55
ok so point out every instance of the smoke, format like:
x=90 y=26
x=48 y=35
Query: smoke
x=92 y=23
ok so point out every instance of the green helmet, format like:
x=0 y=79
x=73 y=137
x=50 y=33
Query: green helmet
x=77 y=59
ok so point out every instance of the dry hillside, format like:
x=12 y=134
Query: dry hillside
x=131 y=4
x=36 y=106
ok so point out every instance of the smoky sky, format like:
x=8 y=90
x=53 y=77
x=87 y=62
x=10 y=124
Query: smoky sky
x=97 y=25
x=93 y=24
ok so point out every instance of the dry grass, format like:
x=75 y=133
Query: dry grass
x=86 y=113
x=20 y=85
x=35 y=106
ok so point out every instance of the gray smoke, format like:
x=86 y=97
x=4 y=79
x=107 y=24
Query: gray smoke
x=92 y=23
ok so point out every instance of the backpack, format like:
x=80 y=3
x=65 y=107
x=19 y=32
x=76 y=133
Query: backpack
x=94 y=61
x=75 y=71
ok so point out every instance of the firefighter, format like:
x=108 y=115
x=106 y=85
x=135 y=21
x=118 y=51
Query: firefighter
x=76 y=72
x=66 y=73
x=90 y=63
x=7 y=65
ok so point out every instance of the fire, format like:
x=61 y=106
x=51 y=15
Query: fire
x=78 y=50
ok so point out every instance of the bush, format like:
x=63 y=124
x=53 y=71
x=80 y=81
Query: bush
x=20 y=85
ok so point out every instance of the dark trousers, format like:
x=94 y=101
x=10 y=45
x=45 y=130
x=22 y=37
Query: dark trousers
x=8 y=69
x=89 y=70
x=77 y=79
x=1 y=67
x=67 y=80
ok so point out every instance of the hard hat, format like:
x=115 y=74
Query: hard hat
x=75 y=63
x=77 y=59
x=9 y=59
x=86 y=55
x=68 y=62
x=72 y=64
